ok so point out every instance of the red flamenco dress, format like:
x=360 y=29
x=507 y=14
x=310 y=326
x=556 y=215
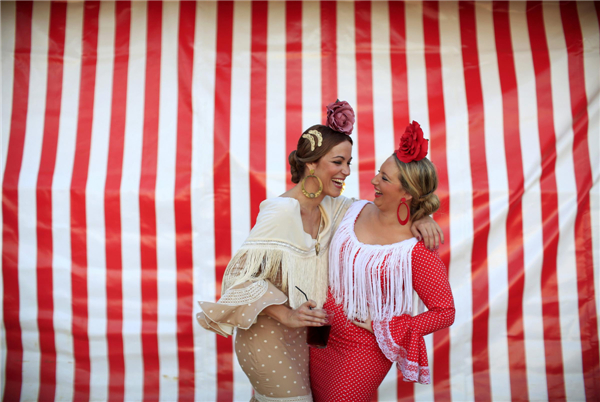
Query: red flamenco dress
x=378 y=281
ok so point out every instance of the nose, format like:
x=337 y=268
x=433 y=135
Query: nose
x=346 y=170
x=374 y=181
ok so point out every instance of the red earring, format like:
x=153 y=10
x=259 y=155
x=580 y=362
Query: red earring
x=405 y=221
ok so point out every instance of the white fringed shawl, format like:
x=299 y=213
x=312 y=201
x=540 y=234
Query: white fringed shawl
x=278 y=250
x=370 y=280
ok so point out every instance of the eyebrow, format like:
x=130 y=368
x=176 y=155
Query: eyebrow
x=340 y=156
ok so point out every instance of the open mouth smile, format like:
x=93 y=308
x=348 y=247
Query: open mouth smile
x=338 y=182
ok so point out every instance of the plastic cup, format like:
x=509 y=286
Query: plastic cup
x=317 y=337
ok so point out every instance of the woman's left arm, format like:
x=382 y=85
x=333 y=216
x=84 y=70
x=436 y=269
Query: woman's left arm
x=430 y=281
x=428 y=230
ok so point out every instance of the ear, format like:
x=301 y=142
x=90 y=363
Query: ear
x=310 y=166
x=407 y=197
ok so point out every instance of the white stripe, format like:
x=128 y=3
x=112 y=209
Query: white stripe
x=591 y=60
x=240 y=125
x=7 y=57
x=94 y=196
x=346 y=77
x=28 y=312
x=202 y=196
x=311 y=64
x=61 y=207
x=566 y=265
x=461 y=204
x=533 y=243
x=7 y=60
x=498 y=203
x=383 y=125
x=239 y=156
x=165 y=217
x=387 y=391
x=277 y=165
x=415 y=65
x=418 y=110
x=130 y=206
x=382 y=83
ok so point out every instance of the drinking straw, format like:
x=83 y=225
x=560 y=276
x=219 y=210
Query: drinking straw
x=302 y=293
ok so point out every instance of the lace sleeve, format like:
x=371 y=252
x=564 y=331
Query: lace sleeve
x=239 y=307
x=401 y=338
x=241 y=301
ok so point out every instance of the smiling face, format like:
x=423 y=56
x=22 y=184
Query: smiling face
x=333 y=168
x=388 y=190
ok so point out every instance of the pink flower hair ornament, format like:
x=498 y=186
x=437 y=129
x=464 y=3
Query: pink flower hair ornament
x=340 y=117
x=413 y=146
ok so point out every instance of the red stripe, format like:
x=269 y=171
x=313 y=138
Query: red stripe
x=56 y=48
x=148 y=256
x=329 y=87
x=405 y=390
x=183 y=205
x=364 y=98
x=588 y=320
x=79 y=280
x=293 y=80
x=112 y=205
x=10 y=203
x=481 y=210
x=222 y=183
x=258 y=109
x=549 y=202
x=399 y=69
x=437 y=123
x=514 y=221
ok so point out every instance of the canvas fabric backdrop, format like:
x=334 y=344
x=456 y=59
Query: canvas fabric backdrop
x=138 y=140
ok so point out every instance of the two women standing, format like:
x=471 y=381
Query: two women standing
x=288 y=248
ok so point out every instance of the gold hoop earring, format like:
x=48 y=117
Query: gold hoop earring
x=312 y=195
x=343 y=188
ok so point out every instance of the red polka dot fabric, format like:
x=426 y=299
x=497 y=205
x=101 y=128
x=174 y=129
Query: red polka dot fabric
x=355 y=361
x=351 y=367
x=401 y=338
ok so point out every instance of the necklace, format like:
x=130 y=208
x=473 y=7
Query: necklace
x=318 y=245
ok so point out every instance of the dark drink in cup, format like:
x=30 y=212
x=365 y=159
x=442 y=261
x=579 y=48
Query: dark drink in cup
x=317 y=337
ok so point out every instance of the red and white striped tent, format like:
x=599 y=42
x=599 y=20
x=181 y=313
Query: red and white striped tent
x=138 y=140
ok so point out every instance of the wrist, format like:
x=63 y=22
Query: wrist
x=279 y=313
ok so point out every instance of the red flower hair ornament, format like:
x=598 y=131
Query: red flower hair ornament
x=413 y=146
x=340 y=117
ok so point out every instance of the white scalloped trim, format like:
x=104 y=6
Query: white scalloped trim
x=411 y=371
x=302 y=398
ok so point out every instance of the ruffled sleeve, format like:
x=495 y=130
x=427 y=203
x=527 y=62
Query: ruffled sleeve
x=239 y=307
x=401 y=338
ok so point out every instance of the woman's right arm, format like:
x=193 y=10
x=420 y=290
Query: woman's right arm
x=303 y=316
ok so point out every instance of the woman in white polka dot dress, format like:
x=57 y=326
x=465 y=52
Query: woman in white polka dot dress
x=287 y=248
x=375 y=264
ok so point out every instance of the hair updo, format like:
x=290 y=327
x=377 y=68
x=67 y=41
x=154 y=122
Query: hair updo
x=419 y=179
x=303 y=154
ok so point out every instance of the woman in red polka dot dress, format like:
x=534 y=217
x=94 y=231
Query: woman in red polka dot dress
x=375 y=263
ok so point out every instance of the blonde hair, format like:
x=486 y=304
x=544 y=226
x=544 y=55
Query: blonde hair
x=419 y=179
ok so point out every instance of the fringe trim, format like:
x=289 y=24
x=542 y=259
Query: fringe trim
x=280 y=262
x=370 y=280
